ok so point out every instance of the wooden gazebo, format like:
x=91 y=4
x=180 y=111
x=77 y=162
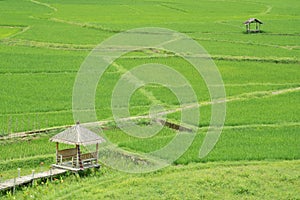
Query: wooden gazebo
x=72 y=158
x=257 y=25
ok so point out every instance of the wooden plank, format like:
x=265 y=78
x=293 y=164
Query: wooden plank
x=8 y=184
x=26 y=179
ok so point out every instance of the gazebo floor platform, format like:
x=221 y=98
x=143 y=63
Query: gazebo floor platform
x=69 y=167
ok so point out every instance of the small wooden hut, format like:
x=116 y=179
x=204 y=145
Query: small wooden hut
x=72 y=158
x=255 y=21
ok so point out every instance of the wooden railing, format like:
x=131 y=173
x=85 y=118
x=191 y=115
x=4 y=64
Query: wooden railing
x=89 y=157
x=71 y=155
x=67 y=154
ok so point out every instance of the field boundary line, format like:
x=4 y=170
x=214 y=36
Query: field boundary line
x=47 y=45
x=85 y=25
x=260 y=84
x=268 y=10
x=24 y=29
x=37 y=72
x=263 y=94
x=285 y=60
x=287 y=47
x=146 y=93
x=88 y=47
x=256 y=59
x=173 y=8
x=44 y=4
x=242 y=97
x=275 y=125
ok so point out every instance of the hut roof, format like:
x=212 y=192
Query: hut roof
x=77 y=135
x=252 y=20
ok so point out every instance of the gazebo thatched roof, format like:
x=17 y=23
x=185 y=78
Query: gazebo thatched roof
x=252 y=20
x=77 y=135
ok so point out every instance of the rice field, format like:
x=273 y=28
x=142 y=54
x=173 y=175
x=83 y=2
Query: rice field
x=44 y=42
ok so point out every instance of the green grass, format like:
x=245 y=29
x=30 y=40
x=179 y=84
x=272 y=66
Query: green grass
x=236 y=143
x=222 y=180
x=43 y=43
x=8 y=31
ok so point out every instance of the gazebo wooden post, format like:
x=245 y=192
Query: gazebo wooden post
x=97 y=152
x=78 y=162
x=77 y=155
x=56 y=152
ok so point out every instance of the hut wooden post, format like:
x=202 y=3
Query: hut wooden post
x=97 y=152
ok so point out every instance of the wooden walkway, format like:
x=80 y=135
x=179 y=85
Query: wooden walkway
x=12 y=183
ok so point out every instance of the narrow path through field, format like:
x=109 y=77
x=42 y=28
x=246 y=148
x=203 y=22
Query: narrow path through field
x=241 y=97
x=149 y=95
x=44 y=4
